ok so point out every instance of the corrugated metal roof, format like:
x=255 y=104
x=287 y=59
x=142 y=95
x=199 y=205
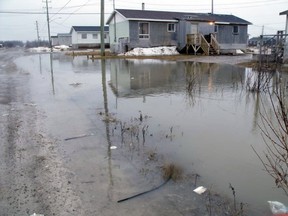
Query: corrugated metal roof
x=89 y=28
x=173 y=16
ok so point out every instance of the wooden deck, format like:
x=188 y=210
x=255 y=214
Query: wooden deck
x=197 y=41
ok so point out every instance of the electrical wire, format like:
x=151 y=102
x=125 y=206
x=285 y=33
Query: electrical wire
x=75 y=11
x=31 y=13
x=61 y=9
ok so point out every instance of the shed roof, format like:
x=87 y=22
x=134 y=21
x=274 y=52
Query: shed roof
x=89 y=28
x=174 y=16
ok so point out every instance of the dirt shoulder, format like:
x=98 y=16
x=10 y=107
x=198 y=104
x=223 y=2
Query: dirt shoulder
x=32 y=177
x=35 y=177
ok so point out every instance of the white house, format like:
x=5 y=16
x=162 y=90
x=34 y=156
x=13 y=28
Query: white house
x=88 y=36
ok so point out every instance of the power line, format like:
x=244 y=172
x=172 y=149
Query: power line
x=207 y=4
x=76 y=11
x=61 y=8
x=31 y=13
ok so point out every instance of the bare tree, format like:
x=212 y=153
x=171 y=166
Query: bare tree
x=275 y=134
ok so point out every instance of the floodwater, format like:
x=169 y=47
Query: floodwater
x=198 y=115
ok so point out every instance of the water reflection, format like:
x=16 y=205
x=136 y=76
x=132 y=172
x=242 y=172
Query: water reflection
x=130 y=78
x=217 y=134
x=107 y=127
x=52 y=73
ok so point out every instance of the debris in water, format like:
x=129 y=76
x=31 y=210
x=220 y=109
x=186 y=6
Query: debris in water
x=6 y=114
x=30 y=104
x=80 y=136
x=75 y=84
x=113 y=147
x=128 y=198
x=37 y=214
x=278 y=207
x=200 y=190
x=172 y=171
x=109 y=119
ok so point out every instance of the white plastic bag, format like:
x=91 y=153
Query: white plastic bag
x=277 y=207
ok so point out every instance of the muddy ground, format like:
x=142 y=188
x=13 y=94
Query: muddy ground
x=36 y=176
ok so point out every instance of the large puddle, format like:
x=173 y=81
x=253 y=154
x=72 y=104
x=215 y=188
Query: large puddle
x=199 y=115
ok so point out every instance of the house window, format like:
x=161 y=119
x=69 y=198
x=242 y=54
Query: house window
x=95 y=36
x=171 y=27
x=84 y=36
x=105 y=35
x=235 y=29
x=143 y=30
x=215 y=28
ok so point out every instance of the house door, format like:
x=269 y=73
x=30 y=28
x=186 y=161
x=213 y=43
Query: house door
x=194 y=28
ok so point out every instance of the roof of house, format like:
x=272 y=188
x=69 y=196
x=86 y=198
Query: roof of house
x=284 y=13
x=89 y=28
x=174 y=16
x=259 y=38
x=63 y=35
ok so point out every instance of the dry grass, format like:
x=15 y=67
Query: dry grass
x=172 y=171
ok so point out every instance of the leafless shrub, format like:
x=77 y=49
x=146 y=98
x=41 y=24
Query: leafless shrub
x=259 y=81
x=275 y=133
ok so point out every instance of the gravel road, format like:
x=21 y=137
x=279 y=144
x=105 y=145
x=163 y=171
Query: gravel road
x=32 y=176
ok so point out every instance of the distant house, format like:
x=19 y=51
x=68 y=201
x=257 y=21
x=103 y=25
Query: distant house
x=54 y=40
x=88 y=36
x=255 y=41
x=61 y=39
x=190 y=32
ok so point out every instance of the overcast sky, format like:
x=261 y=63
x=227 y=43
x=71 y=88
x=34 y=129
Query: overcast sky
x=18 y=17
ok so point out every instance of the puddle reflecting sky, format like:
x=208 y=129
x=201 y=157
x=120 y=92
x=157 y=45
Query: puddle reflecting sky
x=198 y=114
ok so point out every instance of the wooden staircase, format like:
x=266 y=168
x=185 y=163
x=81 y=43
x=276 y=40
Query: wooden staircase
x=197 y=41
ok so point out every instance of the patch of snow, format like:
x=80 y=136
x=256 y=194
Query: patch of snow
x=150 y=61
x=155 y=51
x=61 y=48
x=239 y=52
x=39 y=49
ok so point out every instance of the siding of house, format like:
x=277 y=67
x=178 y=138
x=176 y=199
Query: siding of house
x=185 y=27
x=55 y=40
x=229 y=41
x=158 y=35
x=89 y=42
x=122 y=29
x=64 y=40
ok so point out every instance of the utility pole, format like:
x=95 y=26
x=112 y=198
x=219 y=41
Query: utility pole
x=48 y=25
x=114 y=21
x=212 y=7
x=38 y=37
x=102 y=29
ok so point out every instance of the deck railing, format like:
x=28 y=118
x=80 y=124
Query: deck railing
x=197 y=41
x=214 y=43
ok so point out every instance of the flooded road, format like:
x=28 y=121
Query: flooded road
x=128 y=117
